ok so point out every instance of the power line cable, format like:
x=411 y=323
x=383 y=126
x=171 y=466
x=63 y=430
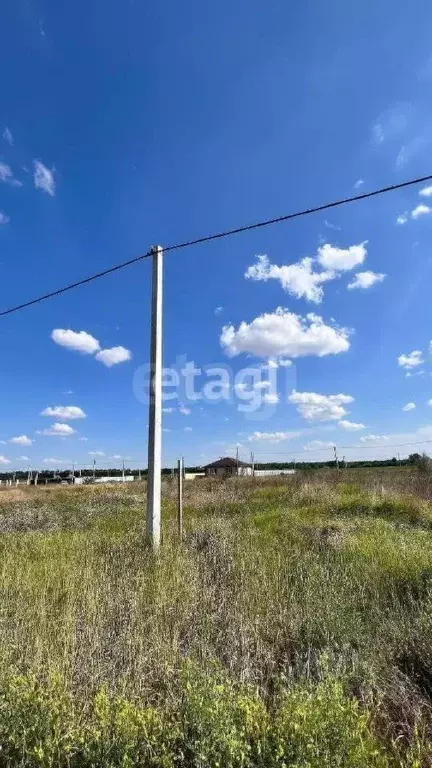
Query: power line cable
x=218 y=236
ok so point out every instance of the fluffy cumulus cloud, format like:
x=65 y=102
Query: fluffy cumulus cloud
x=273 y=437
x=420 y=210
x=113 y=356
x=43 y=178
x=412 y=360
x=84 y=342
x=271 y=398
x=341 y=259
x=4 y=219
x=365 y=280
x=65 y=412
x=315 y=407
x=184 y=410
x=305 y=279
x=21 y=440
x=426 y=192
x=79 y=341
x=402 y=218
x=23 y=458
x=351 y=426
x=285 y=333
x=57 y=462
x=299 y=279
x=98 y=453
x=409 y=407
x=4 y=460
x=59 y=430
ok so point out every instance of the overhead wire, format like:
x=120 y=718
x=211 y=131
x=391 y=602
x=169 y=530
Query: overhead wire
x=218 y=236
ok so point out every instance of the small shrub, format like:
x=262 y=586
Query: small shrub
x=323 y=727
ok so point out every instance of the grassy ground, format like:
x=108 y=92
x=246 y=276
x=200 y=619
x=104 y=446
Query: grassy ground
x=293 y=627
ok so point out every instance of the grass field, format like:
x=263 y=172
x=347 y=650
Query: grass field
x=292 y=628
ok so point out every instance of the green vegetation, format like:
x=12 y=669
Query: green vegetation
x=291 y=629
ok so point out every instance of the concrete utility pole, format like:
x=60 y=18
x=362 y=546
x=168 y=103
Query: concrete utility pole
x=253 y=464
x=336 y=458
x=123 y=475
x=155 y=405
x=94 y=469
x=180 y=465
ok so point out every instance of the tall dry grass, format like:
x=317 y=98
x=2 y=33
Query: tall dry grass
x=285 y=593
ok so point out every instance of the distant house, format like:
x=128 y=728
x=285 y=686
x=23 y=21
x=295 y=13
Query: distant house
x=226 y=467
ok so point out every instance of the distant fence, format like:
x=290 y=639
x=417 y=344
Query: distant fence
x=268 y=472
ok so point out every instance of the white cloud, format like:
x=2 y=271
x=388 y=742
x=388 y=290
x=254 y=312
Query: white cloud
x=59 y=430
x=409 y=407
x=329 y=225
x=99 y=453
x=358 y=183
x=366 y=279
x=374 y=438
x=170 y=409
x=276 y=362
x=315 y=407
x=218 y=310
x=4 y=460
x=80 y=341
x=429 y=402
x=273 y=437
x=84 y=439
x=4 y=219
x=342 y=259
x=420 y=210
x=318 y=445
x=262 y=385
x=8 y=136
x=6 y=174
x=23 y=458
x=426 y=191
x=412 y=360
x=351 y=426
x=188 y=429
x=44 y=178
x=285 y=333
x=116 y=456
x=402 y=218
x=271 y=398
x=185 y=411
x=21 y=440
x=113 y=356
x=7 y=177
x=64 y=412
x=56 y=461
x=299 y=279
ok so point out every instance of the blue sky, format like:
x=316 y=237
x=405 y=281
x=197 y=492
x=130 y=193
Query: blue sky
x=129 y=124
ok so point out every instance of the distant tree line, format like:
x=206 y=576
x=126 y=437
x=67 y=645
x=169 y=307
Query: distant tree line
x=420 y=461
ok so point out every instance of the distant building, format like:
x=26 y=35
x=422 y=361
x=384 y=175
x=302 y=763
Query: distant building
x=226 y=467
